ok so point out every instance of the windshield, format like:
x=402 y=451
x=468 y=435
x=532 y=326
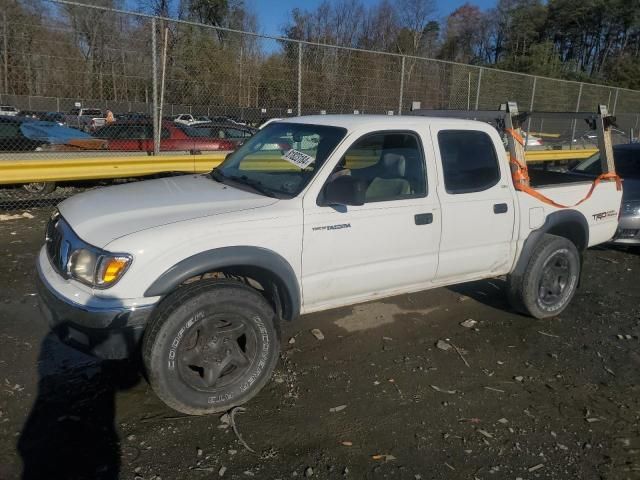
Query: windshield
x=627 y=163
x=281 y=159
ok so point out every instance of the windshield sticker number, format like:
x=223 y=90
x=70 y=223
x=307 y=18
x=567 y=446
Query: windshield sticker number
x=299 y=159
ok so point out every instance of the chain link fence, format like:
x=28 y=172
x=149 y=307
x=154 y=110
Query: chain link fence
x=88 y=81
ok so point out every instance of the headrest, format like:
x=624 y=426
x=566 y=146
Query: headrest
x=394 y=164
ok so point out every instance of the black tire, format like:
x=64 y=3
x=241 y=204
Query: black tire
x=39 y=188
x=212 y=345
x=550 y=279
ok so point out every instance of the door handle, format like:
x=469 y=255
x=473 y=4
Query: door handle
x=423 y=218
x=500 y=208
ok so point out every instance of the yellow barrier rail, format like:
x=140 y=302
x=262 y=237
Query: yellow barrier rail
x=95 y=168
x=559 y=155
x=104 y=167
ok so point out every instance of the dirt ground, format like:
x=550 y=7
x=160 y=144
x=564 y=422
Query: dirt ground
x=512 y=398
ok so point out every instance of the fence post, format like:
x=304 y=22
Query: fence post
x=57 y=104
x=401 y=86
x=478 y=89
x=573 y=125
x=533 y=95
x=299 y=78
x=6 y=53
x=615 y=102
x=469 y=93
x=154 y=79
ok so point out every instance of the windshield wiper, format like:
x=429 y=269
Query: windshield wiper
x=217 y=175
x=253 y=184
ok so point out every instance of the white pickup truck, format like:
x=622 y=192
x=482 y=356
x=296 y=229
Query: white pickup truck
x=197 y=271
x=85 y=119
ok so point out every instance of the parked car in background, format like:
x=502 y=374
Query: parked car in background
x=85 y=119
x=27 y=134
x=138 y=136
x=227 y=119
x=12 y=139
x=37 y=114
x=57 y=117
x=235 y=133
x=188 y=119
x=533 y=141
x=627 y=160
x=589 y=138
x=24 y=133
x=8 y=110
x=133 y=116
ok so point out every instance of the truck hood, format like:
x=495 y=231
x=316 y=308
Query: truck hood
x=102 y=215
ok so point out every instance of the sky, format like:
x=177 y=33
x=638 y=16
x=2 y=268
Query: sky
x=273 y=14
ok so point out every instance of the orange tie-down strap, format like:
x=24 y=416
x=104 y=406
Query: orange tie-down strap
x=520 y=175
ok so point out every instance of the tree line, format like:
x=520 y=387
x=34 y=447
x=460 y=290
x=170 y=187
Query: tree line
x=585 y=40
x=58 y=50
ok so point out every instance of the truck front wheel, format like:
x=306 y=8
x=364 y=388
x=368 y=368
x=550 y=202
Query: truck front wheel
x=550 y=279
x=212 y=345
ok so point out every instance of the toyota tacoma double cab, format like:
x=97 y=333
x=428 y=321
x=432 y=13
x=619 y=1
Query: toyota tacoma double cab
x=197 y=272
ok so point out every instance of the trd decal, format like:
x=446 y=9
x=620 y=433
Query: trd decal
x=601 y=215
x=333 y=227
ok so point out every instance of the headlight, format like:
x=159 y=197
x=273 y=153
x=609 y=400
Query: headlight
x=97 y=268
x=631 y=208
x=82 y=265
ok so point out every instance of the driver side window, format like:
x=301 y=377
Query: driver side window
x=392 y=165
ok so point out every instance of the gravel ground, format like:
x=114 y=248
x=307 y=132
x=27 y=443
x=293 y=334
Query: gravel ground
x=379 y=397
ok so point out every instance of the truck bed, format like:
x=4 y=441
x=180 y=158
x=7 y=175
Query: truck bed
x=548 y=178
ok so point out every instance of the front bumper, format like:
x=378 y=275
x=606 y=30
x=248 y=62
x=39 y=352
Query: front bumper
x=105 y=331
x=628 y=232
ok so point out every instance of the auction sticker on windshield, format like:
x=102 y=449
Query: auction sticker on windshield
x=299 y=159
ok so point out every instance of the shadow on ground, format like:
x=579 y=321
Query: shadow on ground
x=70 y=432
x=492 y=293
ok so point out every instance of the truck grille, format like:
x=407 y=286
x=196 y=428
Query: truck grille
x=57 y=245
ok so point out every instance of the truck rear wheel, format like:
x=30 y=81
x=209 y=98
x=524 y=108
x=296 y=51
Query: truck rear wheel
x=213 y=345
x=550 y=279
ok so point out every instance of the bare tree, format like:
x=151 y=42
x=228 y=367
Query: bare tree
x=414 y=15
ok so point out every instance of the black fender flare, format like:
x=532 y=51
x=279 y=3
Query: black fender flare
x=569 y=221
x=239 y=256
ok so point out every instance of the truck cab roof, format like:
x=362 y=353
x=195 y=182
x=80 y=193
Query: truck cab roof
x=351 y=121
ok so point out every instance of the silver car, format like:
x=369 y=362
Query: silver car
x=627 y=160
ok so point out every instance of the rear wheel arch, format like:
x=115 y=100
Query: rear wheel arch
x=569 y=224
x=261 y=268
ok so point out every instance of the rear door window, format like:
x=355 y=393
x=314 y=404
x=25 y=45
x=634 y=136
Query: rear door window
x=469 y=161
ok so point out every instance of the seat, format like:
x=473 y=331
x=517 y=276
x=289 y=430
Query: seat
x=389 y=181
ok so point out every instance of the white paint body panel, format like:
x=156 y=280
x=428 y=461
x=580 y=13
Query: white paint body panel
x=475 y=240
x=383 y=253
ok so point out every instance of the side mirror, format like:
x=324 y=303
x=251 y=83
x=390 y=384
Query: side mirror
x=345 y=190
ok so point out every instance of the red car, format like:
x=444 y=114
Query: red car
x=137 y=136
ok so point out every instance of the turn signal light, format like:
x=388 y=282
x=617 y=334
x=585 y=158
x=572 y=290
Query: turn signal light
x=113 y=268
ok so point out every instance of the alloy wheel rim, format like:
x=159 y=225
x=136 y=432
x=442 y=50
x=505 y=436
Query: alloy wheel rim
x=35 y=187
x=217 y=352
x=555 y=279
